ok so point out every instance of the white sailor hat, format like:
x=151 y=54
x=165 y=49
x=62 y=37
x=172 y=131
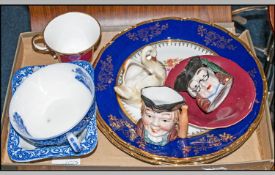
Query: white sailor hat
x=162 y=98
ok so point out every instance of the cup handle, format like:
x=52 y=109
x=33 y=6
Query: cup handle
x=37 y=41
x=73 y=141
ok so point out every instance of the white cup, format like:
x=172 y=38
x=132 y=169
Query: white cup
x=53 y=104
x=69 y=37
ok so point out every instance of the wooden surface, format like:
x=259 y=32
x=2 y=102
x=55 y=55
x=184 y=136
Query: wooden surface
x=122 y=16
x=107 y=156
x=271 y=16
x=251 y=155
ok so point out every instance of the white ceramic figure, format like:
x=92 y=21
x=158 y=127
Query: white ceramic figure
x=137 y=75
x=205 y=81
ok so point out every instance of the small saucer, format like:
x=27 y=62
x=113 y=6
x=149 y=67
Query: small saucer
x=19 y=150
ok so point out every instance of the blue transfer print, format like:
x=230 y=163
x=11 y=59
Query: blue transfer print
x=22 y=74
x=18 y=154
x=60 y=148
x=83 y=78
x=20 y=123
x=85 y=65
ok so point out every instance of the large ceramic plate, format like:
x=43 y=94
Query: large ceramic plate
x=175 y=40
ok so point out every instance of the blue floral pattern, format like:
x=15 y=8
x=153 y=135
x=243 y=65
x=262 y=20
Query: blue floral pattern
x=60 y=149
x=19 y=154
x=83 y=78
x=22 y=74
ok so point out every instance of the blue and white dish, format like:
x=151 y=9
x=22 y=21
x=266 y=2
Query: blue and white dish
x=50 y=105
x=175 y=39
x=21 y=149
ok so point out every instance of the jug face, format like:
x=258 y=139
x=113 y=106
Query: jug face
x=158 y=126
x=205 y=81
x=160 y=115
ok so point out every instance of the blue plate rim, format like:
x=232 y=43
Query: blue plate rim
x=156 y=159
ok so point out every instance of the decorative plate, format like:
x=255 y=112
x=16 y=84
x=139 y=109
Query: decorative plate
x=175 y=39
x=20 y=150
x=233 y=109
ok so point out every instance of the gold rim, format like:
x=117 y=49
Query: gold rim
x=245 y=9
x=81 y=52
x=155 y=159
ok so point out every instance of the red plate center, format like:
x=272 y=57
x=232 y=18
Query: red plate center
x=235 y=107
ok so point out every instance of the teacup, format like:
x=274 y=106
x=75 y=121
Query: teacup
x=54 y=104
x=69 y=37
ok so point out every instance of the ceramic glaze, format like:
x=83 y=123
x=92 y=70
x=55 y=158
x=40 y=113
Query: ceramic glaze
x=45 y=94
x=161 y=98
x=148 y=71
x=205 y=81
x=69 y=37
x=72 y=32
x=163 y=116
x=20 y=150
x=58 y=81
x=169 y=53
x=235 y=102
x=231 y=123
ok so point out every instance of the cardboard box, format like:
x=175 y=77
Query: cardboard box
x=257 y=153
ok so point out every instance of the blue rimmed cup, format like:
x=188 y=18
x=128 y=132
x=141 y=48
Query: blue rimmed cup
x=54 y=104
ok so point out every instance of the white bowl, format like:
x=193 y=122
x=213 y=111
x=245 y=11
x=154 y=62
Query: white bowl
x=51 y=102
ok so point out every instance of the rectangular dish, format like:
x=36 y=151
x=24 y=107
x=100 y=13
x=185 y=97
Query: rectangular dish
x=255 y=154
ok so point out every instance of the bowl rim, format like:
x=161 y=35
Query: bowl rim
x=92 y=101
